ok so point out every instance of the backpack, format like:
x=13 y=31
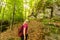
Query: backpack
x=20 y=31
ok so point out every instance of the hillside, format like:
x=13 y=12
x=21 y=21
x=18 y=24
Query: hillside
x=34 y=31
x=37 y=31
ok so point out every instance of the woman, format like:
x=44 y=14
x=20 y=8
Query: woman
x=24 y=29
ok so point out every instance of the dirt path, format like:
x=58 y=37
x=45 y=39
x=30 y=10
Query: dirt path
x=34 y=32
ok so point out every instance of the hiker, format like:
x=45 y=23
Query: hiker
x=23 y=30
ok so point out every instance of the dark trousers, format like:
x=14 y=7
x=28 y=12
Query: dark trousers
x=22 y=38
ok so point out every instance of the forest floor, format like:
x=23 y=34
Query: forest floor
x=36 y=31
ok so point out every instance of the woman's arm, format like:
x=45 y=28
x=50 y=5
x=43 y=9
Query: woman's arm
x=24 y=33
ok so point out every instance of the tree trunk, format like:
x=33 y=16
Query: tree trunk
x=51 y=12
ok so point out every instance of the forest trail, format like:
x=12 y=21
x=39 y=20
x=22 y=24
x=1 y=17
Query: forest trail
x=34 y=32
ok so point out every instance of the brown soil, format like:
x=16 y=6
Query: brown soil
x=34 y=32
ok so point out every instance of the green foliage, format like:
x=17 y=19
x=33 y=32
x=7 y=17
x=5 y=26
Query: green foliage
x=9 y=8
x=19 y=13
x=46 y=21
x=58 y=2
